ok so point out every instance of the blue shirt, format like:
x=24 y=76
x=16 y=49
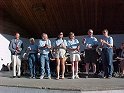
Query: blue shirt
x=58 y=42
x=42 y=44
x=109 y=40
x=90 y=41
x=33 y=47
x=13 y=46
x=72 y=43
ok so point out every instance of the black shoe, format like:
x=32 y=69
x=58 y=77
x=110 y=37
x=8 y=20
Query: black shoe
x=18 y=76
x=14 y=76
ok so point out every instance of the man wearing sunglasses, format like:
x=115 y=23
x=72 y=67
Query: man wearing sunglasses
x=107 y=54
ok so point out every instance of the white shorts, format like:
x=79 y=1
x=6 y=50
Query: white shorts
x=75 y=57
x=60 y=53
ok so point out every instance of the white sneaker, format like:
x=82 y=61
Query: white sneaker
x=72 y=77
x=34 y=77
x=77 y=77
x=41 y=77
x=49 y=77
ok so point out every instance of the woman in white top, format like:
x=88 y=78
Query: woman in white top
x=74 y=51
x=60 y=49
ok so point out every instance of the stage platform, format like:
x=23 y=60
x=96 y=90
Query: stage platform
x=82 y=85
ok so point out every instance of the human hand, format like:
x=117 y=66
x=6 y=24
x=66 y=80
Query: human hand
x=45 y=46
x=29 y=49
x=84 y=40
x=89 y=46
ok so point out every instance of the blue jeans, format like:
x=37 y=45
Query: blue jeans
x=44 y=60
x=107 y=59
x=32 y=63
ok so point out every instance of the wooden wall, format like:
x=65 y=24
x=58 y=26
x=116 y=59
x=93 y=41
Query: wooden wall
x=8 y=26
x=52 y=16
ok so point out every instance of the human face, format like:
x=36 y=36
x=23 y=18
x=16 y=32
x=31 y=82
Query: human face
x=72 y=36
x=45 y=37
x=105 y=33
x=17 y=35
x=32 y=41
x=61 y=35
x=122 y=46
x=90 y=32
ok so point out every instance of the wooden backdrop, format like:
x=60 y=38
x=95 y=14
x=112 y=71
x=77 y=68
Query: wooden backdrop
x=53 y=16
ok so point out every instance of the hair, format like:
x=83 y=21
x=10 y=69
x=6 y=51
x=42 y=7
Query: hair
x=71 y=33
x=58 y=36
x=17 y=33
x=90 y=30
x=105 y=30
x=43 y=34
x=31 y=39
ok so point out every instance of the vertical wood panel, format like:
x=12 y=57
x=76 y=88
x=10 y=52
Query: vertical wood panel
x=52 y=16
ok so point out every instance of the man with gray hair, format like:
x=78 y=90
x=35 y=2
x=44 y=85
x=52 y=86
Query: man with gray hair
x=16 y=46
x=44 y=47
x=90 y=43
x=32 y=51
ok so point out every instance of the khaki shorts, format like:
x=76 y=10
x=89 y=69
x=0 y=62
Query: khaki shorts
x=60 y=53
x=74 y=57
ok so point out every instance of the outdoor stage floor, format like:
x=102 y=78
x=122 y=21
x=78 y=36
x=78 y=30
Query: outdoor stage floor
x=82 y=84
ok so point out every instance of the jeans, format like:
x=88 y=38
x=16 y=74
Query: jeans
x=32 y=63
x=45 y=62
x=107 y=59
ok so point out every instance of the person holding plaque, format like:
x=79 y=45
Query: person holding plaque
x=60 y=48
x=16 y=46
x=90 y=43
x=73 y=47
x=107 y=54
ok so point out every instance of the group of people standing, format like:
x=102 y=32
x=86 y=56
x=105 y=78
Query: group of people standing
x=106 y=43
x=61 y=46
